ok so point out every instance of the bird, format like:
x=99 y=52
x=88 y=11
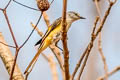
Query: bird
x=53 y=32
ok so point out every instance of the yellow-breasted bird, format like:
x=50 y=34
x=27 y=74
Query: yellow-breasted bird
x=53 y=32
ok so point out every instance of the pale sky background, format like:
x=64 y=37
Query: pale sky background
x=78 y=37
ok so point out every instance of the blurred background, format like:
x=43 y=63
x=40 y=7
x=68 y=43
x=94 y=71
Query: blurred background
x=78 y=37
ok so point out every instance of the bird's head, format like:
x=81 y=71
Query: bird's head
x=73 y=16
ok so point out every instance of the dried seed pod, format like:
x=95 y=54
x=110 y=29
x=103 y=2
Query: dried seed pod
x=43 y=5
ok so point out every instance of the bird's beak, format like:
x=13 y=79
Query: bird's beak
x=82 y=17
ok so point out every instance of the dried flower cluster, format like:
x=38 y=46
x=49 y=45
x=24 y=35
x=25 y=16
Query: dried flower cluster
x=43 y=5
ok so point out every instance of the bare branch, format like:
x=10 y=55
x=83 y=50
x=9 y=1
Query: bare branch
x=38 y=31
x=31 y=31
x=7 y=45
x=10 y=28
x=1 y=9
x=103 y=57
x=8 y=60
x=85 y=52
x=25 y=5
x=7 y=5
x=46 y=19
x=64 y=41
x=99 y=42
x=110 y=73
x=98 y=8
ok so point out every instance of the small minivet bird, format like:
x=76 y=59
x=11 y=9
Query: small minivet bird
x=53 y=32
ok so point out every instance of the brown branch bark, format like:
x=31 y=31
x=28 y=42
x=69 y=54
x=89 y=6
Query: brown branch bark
x=8 y=60
x=64 y=41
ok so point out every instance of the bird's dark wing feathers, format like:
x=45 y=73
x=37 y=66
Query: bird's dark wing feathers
x=38 y=42
x=57 y=22
x=54 y=25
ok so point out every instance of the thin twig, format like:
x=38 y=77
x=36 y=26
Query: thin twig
x=7 y=45
x=7 y=5
x=32 y=31
x=10 y=28
x=79 y=64
x=98 y=8
x=1 y=9
x=103 y=57
x=86 y=50
x=85 y=61
x=95 y=25
x=51 y=2
x=104 y=18
x=110 y=73
x=25 y=5
x=99 y=42
x=38 y=31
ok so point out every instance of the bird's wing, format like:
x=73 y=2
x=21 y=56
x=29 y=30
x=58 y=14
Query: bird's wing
x=51 y=28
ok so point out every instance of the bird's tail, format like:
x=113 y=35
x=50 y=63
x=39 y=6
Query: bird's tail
x=43 y=46
x=32 y=63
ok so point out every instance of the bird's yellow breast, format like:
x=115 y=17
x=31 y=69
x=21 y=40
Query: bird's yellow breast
x=55 y=31
x=49 y=39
